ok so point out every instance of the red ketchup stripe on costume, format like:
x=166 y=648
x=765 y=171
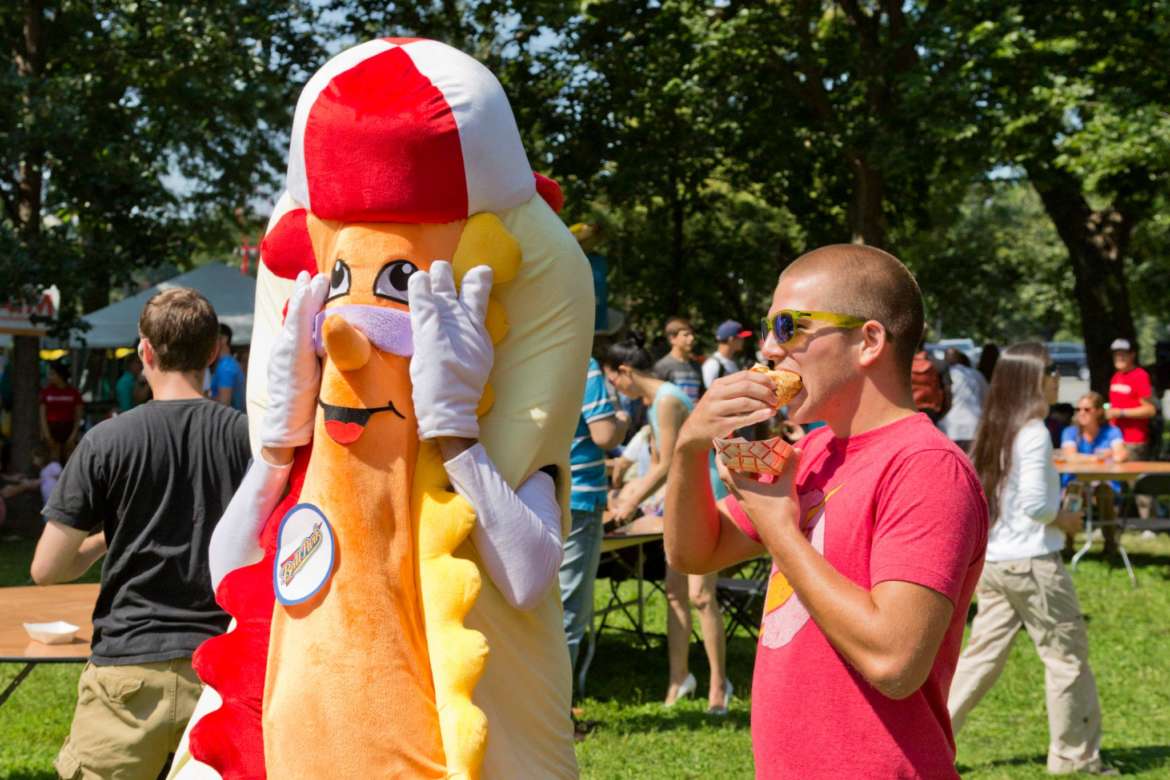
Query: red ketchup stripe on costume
x=381 y=104
x=230 y=739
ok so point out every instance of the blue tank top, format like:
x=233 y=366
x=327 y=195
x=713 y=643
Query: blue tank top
x=674 y=391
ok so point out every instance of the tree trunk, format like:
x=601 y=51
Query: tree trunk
x=678 y=259
x=1097 y=242
x=26 y=349
x=866 y=222
x=25 y=412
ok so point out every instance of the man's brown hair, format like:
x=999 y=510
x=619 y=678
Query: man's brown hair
x=675 y=325
x=870 y=283
x=181 y=327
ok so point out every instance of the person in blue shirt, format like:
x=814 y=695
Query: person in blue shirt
x=599 y=428
x=1092 y=438
x=227 y=378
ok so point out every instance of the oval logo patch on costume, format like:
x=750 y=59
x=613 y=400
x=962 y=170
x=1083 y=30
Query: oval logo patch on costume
x=304 y=554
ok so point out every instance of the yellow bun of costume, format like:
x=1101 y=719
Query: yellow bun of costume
x=788 y=383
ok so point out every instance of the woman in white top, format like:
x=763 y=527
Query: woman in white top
x=1024 y=582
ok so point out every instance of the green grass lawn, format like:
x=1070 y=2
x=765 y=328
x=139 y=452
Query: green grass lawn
x=635 y=737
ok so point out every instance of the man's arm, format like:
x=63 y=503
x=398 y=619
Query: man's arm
x=1143 y=411
x=63 y=554
x=890 y=634
x=608 y=432
x=700 y=537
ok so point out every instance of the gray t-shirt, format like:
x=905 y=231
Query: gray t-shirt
x=684 y=374
x=155 y=480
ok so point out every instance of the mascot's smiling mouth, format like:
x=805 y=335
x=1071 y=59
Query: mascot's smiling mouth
x=345 y=424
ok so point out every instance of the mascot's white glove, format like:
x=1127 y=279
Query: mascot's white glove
x=294 y=371
x=452 y=349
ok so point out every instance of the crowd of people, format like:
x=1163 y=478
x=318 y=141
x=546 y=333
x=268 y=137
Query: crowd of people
x=914 y=487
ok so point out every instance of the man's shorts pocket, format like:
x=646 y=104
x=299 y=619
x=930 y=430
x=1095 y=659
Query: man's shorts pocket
x=118 y=684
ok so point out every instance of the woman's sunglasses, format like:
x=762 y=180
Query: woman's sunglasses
x=783 y=324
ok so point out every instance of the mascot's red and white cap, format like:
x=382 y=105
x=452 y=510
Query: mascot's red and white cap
x=406 y=130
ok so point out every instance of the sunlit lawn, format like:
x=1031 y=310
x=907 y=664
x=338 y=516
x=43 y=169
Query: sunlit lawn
x=635 y=737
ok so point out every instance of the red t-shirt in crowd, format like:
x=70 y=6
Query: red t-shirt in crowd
x=60 y=402
x=1126 y=391
x=900 y=502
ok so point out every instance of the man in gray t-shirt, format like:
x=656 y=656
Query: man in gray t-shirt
x=677 y=366
x=145 y=490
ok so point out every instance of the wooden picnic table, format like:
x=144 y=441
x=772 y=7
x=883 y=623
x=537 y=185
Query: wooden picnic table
x=1102 y=470
x=1106 y=470
x=44 y=604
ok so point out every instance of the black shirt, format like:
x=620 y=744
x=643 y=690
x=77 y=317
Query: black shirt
x=156 y=479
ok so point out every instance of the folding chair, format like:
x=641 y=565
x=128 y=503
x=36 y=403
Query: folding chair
x=741 y=596
x=1155 y=486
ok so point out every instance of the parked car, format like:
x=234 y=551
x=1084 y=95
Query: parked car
x=1069 y=358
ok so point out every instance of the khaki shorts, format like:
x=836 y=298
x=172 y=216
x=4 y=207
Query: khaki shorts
x=128 y=721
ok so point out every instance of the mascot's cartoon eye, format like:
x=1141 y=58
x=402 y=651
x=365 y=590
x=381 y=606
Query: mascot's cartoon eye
x=339 y=280
x=392 y=280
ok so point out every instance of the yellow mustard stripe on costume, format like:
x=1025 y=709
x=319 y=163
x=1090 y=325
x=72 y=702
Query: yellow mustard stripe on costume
x=449 y=586
x=443 y=520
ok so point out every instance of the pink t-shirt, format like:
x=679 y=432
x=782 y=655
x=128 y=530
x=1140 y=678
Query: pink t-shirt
x=897 y=503
x=1127 y=389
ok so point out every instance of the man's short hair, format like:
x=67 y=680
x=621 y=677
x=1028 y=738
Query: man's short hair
x=676 y=324
x=182 y=328
x=225 y=330
x=870 y=283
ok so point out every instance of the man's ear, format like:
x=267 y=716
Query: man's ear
x=875 y=341
x=146 y=353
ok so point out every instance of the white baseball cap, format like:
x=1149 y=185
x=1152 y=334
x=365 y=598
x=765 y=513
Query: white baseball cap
x=1121 y=345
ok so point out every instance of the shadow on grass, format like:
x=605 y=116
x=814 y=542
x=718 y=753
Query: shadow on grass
x=675 y=719
x=626 y=671
x=1131 y=759
x=23 y=775
x=1126 y=759
x=1040 y=760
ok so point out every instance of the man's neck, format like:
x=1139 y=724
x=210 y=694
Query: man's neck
x=678 y=354
x=176 y=385
x=873 y=407
x=725 y=351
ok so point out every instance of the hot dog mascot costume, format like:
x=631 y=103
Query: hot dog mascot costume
x=423 y=323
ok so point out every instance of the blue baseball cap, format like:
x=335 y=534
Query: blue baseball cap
x=730 y=330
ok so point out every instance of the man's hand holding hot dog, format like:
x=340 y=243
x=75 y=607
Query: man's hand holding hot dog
x=734 y=401
x=699 y=536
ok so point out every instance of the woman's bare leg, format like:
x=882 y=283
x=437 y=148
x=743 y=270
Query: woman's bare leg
x=678 y=630
x=702 y=593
